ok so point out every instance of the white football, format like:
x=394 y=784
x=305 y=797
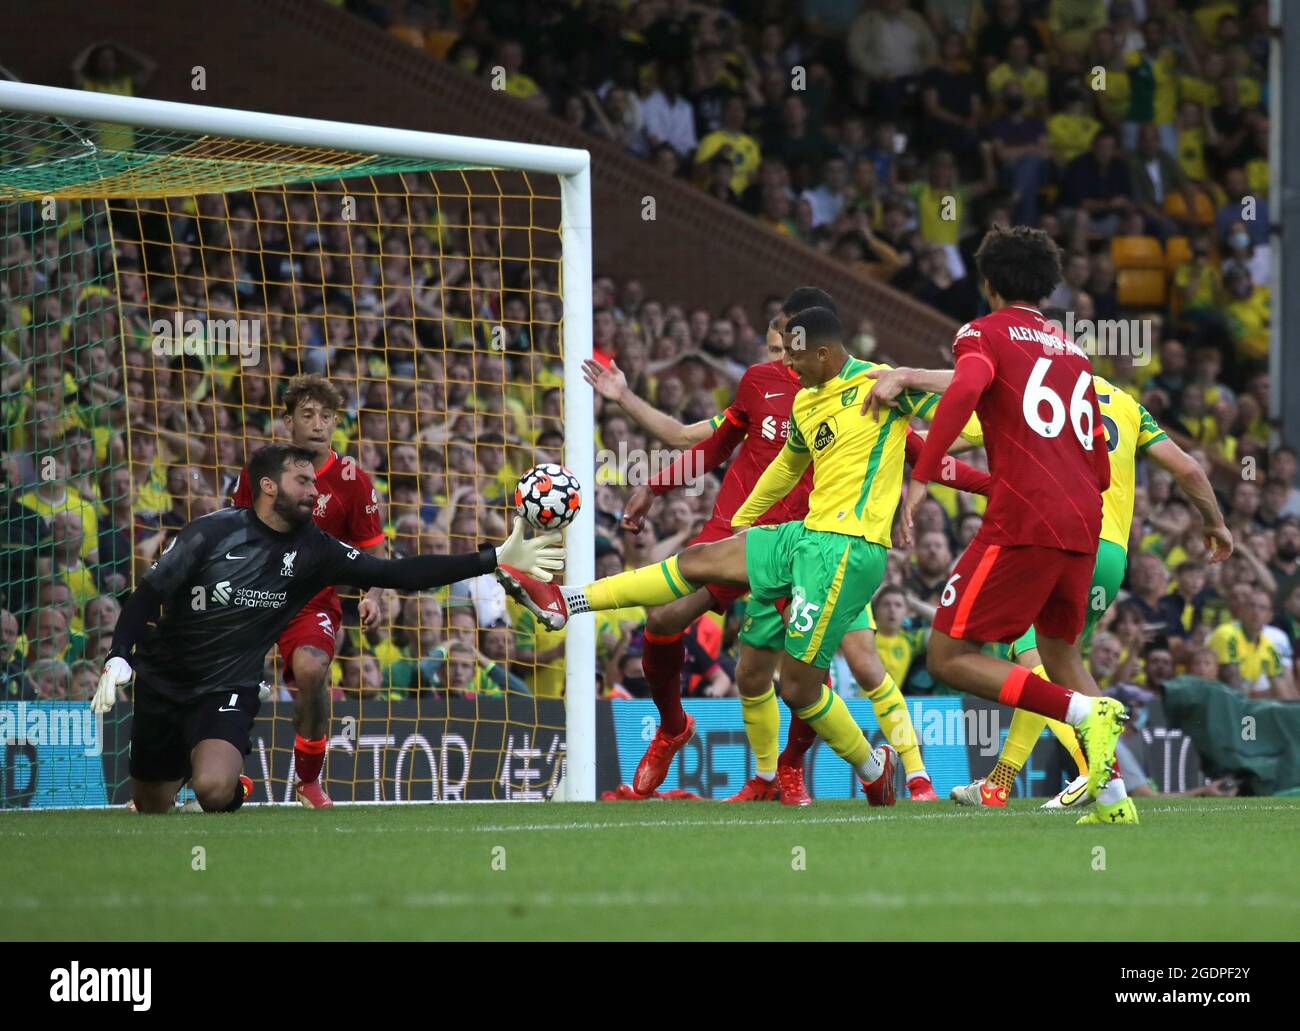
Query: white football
x=548 y=497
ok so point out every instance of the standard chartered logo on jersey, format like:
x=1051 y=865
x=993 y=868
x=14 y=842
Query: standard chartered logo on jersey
x=224 y=594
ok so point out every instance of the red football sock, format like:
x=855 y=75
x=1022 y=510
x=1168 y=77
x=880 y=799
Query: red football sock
x=308 y=758
x=801 y=736
x=797 y=742
x=662 y=661
x=1025 y=690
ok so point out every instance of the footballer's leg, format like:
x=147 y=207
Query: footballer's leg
x=662 y=659
x=804 y=688
x=715 y=562
x=986 y=599
x=1065 y=664
x=311 y=671
x=219 y=728
x=762 y=636
x=218 y=780
x=837 y=576
x=307 y=647
x=994 y=790
x=159 y=755
x=157 y=796
x=758 y=706
x=859 y=648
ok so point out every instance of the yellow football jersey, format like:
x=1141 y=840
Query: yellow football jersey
x=1129 y=429
x=1256 y=661
x=857 y=461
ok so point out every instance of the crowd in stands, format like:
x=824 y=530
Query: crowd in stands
x=890 y=133
x=109 y=449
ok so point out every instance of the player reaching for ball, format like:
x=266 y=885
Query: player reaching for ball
x=196 y=630
x=829 y=563
x=347 y=507
x=757 y=422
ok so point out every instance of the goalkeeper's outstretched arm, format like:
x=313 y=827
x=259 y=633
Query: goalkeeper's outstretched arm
x=539 y=557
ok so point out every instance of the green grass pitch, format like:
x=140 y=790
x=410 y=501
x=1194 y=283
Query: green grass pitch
x=1196 y=868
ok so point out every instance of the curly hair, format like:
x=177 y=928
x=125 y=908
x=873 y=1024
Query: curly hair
x=311 y=386
x=1019 y=263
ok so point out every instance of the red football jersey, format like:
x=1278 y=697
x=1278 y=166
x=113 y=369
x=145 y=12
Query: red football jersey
x=1032 y=390
x=762 y=407
x=347 y=506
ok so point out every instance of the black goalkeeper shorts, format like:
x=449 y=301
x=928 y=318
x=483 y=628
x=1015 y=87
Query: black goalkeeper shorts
x=164 y=732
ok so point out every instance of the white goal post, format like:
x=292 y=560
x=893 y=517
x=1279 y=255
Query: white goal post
x=571 y=166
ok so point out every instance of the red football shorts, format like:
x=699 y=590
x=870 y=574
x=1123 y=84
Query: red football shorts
x=996 y=592
x=724 y=595
x=316 y=625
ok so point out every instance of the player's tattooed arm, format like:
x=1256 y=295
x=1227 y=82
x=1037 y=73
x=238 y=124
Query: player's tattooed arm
x=1193 y=482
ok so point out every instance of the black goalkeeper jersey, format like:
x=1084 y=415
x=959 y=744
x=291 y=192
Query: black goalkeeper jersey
x=230 y=584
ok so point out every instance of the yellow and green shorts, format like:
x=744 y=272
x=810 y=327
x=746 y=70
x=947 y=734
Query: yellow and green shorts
x=829 y=579
x=1107 y=576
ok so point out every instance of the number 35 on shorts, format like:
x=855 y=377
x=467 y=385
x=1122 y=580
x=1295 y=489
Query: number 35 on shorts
x=803 y=614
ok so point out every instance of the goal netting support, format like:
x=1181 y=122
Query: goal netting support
x=165 y=269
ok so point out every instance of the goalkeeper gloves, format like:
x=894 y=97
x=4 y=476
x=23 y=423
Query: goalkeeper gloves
x=117 y=671
x=537 y=556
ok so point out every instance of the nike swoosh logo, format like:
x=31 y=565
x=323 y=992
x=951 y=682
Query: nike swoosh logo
x=1069 y=798
x=234 y=558
x=224 y=709
x=767 y=397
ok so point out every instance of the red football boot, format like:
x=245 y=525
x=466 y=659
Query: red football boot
x=653 y=767
x=921 y=789
x=311 y=795
x=881 y=791
x=543 y=600
x=793 y=791
x=624 y=793
x=756 y=789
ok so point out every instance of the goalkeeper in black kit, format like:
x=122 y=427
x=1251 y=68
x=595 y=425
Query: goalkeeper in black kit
x=196 y=629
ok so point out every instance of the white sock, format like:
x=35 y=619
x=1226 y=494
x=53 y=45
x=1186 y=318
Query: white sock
x=1080 y=709
x=872 y=768
x=1113 y=792
x=575 y=599
x=918 y=773
x=767 y=775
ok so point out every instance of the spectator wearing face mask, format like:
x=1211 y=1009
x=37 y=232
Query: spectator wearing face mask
x=1248 y=313
x=1243 y=253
